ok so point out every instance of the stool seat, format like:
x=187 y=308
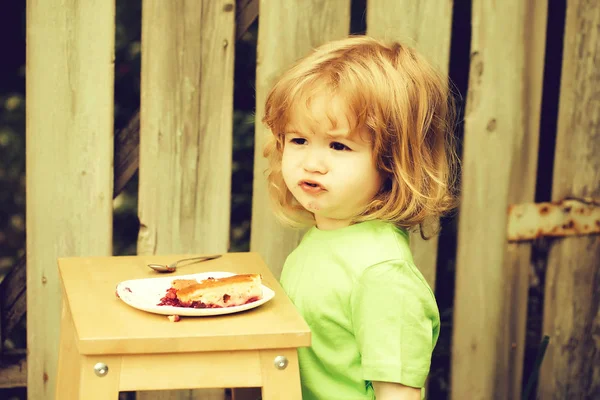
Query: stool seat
x=107 y=346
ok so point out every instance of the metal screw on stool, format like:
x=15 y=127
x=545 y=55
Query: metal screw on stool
x=281 y=362
x=101 y=369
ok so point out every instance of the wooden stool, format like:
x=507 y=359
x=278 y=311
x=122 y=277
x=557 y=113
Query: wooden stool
x=106 y=346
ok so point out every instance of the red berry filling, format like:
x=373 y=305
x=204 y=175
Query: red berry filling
x=170 y=299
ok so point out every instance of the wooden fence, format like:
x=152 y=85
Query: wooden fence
x=185 y=150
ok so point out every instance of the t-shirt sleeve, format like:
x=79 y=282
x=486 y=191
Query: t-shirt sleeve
x=396 y=323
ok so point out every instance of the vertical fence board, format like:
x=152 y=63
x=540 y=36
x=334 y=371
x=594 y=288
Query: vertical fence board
x=287 y=31
x=511 y=348
x=571 y=369
x=499 y=168
x=186 y=122
x=425 y=25
x=70 y=81
x=186 y=119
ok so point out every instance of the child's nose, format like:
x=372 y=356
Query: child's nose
x=314 y=161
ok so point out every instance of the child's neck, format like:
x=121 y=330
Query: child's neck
x=329 y=224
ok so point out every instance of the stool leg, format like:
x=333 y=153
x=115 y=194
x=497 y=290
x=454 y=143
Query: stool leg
x=280 y=383
x=94 y=387
x=76 y=379
x=67 y=379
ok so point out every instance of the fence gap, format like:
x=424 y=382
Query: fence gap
x=550 y=100
x=127 y=104
x=358 y=17
x=460 y=48
x=244 y=120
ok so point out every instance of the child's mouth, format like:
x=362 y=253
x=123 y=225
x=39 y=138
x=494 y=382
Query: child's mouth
x=311 y=187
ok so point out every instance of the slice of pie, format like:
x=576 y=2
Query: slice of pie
x=181 y=283
x=230 y=291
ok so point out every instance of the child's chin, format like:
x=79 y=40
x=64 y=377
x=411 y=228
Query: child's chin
x=313 y=206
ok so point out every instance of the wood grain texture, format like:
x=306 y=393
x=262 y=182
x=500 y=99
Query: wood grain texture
x=204 y=369
x=186 y=123
x=287 y=31
x=276 y=324
x=426 y=26
x=499 y=168
x=126 y=162
x=571 y=368
x=127 y=139
x=280 y=383
x=148 y=346
x=92 y=388
x=186 y=119
x=69 y=140
x=69 y=375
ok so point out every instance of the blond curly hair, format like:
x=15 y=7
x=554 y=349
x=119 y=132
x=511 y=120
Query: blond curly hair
x=405 y=104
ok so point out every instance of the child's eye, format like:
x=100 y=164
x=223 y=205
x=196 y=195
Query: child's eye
x=339 y=146
x=299 y=141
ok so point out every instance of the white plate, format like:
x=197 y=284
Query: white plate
x=145 y=294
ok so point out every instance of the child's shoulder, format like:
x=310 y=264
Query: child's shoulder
x=385 y=241
x=365 y=243
x=390 y=257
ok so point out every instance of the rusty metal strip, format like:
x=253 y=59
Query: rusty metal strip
x=569 y=217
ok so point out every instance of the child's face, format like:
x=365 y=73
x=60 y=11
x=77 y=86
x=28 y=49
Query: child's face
x=329 y=171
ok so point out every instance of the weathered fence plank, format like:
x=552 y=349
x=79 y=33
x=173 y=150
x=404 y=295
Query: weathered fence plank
x=287 y=31
x=70 y=80
x=127 y=140
x=186 y=122
x=425 y=25
x=499 y=168
x=186 y=119
x=571 y=369
x=126 y=162
x=522 y=184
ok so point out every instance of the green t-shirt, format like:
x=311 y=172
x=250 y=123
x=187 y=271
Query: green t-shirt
x=372 y=315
